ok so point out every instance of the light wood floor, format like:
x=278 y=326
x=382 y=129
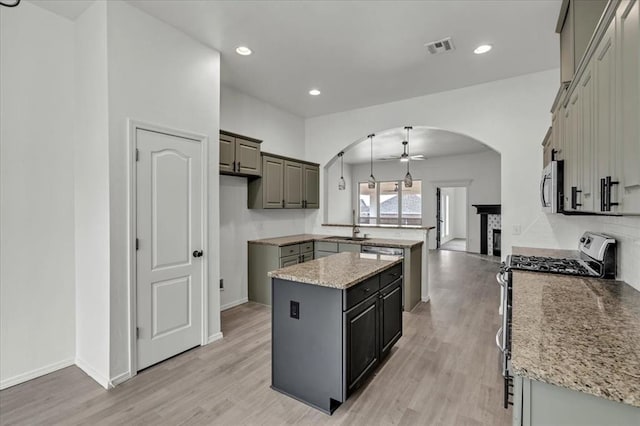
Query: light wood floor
x=443 y=371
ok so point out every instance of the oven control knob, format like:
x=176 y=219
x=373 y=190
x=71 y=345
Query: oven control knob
x=582 y=240
x=588 y=241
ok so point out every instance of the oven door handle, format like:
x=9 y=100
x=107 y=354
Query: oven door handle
x=499 y=339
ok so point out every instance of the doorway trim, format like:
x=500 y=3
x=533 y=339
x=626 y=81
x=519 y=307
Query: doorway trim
x=461 y=183
x=132 y=127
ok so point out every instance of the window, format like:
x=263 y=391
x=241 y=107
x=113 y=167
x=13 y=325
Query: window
x=390 y=203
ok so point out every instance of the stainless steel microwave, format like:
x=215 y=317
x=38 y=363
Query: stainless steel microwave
x=551 y=187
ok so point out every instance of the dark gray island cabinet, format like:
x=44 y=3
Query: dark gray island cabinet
x=334 y=320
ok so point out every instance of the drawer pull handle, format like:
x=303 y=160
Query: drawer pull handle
x=366 y=290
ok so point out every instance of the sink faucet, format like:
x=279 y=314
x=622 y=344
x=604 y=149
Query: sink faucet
x=355 y=230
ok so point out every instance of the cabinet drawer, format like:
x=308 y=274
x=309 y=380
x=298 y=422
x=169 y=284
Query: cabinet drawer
x=289 y=250
x=306 y=247
x=359 y=292
x=390 y=275
x=289 y=260
x=326 y=246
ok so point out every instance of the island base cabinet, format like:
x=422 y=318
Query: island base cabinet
x=362 y=342
x=306 y=351
x=327 y=342
x=537 y=404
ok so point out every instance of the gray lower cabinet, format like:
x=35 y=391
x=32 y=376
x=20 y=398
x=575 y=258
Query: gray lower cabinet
x=537 y=403
x=264 y=258
x=327 y=342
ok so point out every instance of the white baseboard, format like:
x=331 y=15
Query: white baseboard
x=214 y=337
x=426 y=299
x=29 y=375
x=234 y=304
x=91 y=372
x=119 y=379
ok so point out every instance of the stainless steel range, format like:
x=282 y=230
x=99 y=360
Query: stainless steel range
x=597 y=258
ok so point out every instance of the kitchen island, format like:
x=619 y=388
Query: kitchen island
x=333 y=320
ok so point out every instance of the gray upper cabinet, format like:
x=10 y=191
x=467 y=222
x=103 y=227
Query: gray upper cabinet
x=293 y=185
x=248 y=157
x=227 y=153
x=273 y=179
x=576 y=23
x=239 y=155
x=286 y=183
x=311 y=186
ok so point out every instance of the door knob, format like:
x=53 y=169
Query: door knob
x=197 y=253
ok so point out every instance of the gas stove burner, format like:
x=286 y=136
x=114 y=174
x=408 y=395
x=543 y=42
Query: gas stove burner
x=551 y=265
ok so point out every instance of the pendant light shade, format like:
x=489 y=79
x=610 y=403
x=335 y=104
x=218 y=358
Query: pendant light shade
x=408 y=179
x=372 y=180
x=342 y=185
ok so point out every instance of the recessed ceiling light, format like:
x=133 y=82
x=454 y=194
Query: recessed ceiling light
x=243 y=50
x=483 y=48
x=314 y=92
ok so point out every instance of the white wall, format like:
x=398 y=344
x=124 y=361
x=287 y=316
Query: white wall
x=458 y=211
x=338 y=198
x=510 y=115
x=157 y=75
x=92 y=194
x=282 y=133
x=482 y=170
x=37 y=311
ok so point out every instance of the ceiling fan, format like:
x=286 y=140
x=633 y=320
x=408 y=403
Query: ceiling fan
x=417 y=157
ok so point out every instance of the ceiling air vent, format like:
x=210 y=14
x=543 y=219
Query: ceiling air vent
x=440 y=46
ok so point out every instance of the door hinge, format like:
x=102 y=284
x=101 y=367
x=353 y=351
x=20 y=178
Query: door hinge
x=137 y=244
x=137 y=332
x=137 y=154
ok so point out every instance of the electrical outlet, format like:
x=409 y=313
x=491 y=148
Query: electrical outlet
x=294 y=310
x=517 y=230
x=221 y=283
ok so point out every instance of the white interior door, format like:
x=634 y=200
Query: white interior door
x=169 y=258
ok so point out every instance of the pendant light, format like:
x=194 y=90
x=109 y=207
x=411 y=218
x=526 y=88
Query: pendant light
x=408 y=180
x=372 y=180
x=342 y=185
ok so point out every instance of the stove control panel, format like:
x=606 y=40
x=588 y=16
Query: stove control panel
x=595 y=245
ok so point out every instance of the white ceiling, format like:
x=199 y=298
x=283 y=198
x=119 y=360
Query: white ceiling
x=359 y=53
x=422 y=140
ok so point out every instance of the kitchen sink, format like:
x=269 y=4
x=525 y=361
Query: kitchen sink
x=340 y=237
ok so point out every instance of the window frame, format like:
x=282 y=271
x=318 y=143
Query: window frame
x=400 y=184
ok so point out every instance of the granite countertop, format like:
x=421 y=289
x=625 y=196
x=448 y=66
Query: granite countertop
x=304 y=238
x=340 y=271
x=576 y=332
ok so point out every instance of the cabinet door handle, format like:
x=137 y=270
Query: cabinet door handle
x=283 y=204
x=367 y=290
x=234 y=166
x=603 y=199
x=609 y=183
x=238 y=167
